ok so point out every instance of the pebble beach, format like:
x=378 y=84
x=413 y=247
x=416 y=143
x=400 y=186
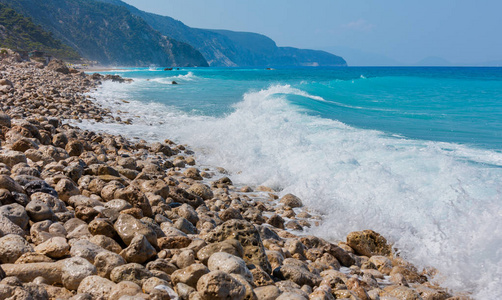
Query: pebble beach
x=91 y=215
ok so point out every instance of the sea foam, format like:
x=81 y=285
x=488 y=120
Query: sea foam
x=439 y=203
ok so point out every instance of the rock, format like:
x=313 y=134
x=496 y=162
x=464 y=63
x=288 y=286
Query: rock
x=230 y=246
x=5 y=120
x=401 y=292
x=8 y=227
x=248 y=236
x=161 y=265
x=189 y=275
x=74 y=270
x=50 y=199
x=130 y=272
x=106 y=261
x=74 y=148
x=410 y=274
x=291 y=201
x=291 y=296
x=9 y=184
x=127 y=227
x=139 y=250
x=101 y=226
x=276 y=221
x=32 y=257
x=12 y=246
x=66 y=188
x=269 y=292
x=201 y=190
x=124 y=288
x=12 y=158
x=184 y=259
x=16 y=213
x=150 y=284
x=230 y=213
x=186 y=211
x=219 y=285
x=98 y=287
x=298 y=274
x=174 y=242
x=39 y=211
x=185 y=226
x=136 y=198
x=368 y=243
x=106 y=243
x=85 y=249
x=230 y=264
x=56 y=247
x=58 y=66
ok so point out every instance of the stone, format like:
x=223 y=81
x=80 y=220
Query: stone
x=16 y=213
x=9 y=184
x=174 y=242
x=186 y=211
x=136 y=198
x=55 y=247
x=8 y=227
x=185 y=226
x=184 y=259
x=66 y=188
x=5 y=120
x=230 y=246
x=248 y=236
x=184 y=290
x=74 y=270
x=291 y=296
x=276 y=221
x=124 y=288
x=32 y=257
x=12 y=158
x=106 y=243
x=74 y=148
x=291 y=201
x=368 y=243
x=298 y=274
x=230 y=264
x=269 y=292
x=98 y=287
x=102 y=226
x=38 y=211
x=150 y=284
x=12 y=246
x=130 y=272
x=85 y=249
x=409 y=272
x=219 y=285
x=127 y=227
x=106 y=261
x=139 y=250
x=229 y=214
x=189 y=275
x=401 y=292
x=50 y=199
x=260 y=278
x=201 y=190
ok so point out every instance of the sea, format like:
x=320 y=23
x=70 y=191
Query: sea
x=412 y=153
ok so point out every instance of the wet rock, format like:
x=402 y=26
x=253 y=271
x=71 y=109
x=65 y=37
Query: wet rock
x=201 y=190
x=368 y=243
x=248 y=236
x=291 y=201
x=401 y=292
x=219 y=285
x=12 y=246
x=230 y=264
x=276 y=221
x=98 y=287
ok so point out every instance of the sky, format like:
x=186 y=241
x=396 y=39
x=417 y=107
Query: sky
x=364 y=31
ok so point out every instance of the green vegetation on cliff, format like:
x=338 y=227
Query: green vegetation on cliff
x=19 y=33
x=107 y=33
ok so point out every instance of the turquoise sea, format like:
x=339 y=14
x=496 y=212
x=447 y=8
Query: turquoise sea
x=412 y=153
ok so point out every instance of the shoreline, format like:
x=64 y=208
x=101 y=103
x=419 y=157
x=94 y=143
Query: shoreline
x=186 y=215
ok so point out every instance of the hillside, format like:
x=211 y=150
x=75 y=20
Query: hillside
x=107 y=33
x=230 y=48
x=19 y=33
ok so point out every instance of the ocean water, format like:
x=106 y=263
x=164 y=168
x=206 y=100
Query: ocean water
x=412 y=153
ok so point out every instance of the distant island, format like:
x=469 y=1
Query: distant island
x=112 y=32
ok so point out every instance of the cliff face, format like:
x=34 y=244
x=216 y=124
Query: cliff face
x=20 y=33
x=107 y=33
x=230 y=48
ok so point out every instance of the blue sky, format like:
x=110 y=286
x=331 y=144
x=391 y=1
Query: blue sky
x=400 y=31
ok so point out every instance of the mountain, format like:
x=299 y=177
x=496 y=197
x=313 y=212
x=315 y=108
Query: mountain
x=107 y=33
x=433 y=61
x=230 y=48
x=19 y=33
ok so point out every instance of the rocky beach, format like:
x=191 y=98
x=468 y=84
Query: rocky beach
x=90 y=215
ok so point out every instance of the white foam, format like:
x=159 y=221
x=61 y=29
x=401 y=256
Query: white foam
x=428 y=198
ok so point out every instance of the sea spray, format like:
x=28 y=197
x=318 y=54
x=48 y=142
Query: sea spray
x=439 y=203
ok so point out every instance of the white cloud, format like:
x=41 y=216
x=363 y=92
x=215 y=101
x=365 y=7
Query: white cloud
x=359 y=25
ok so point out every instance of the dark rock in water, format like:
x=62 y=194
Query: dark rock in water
x=174 y=82
x=168 y=69
x=40 y=186
x=97 y=76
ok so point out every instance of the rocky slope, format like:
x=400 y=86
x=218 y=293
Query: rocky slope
x=18 y=32
x=225 y=48
x=107 y=33
x=89 y=215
